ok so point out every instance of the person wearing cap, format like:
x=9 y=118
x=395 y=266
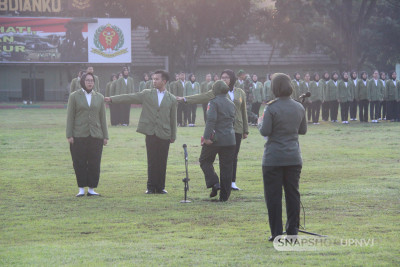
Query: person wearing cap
x=283 y=120
x=219 y=138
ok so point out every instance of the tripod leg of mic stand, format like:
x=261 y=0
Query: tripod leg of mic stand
x=185 y=200
x=309 y=233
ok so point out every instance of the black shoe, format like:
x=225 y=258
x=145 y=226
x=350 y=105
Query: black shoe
x=271 y=238
x=89 y=194
x=215 y=189
x=163 y=191
x=148 y=191
x=80 y=195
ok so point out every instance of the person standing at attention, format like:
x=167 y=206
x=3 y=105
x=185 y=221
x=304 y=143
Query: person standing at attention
x=86 y=133
x=158 y=123
x=283 y=120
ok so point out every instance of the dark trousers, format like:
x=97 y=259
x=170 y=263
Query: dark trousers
x=374 y=110
x=255 y=108
x=353 y=109
x=114 y=114
x=315 y=109
x=325 y=111
x=307 y=107
x=180 y=111
x=238 y=138
x=383 y=108
x=397 y=112
x=190 y=114
x=363 y=110
x=344 y=110
x=157 y=155
x=207 y=158
x=205 y=106
x=86 y=157
x=391 y=110
x=125 y=111
x=274 y=178
x=333 y=109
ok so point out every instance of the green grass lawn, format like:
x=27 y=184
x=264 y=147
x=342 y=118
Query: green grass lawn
x=349 y=187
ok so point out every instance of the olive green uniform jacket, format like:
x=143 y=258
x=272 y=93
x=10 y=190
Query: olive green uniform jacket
x=331 y=92
x=142 y=86
x=317 y=90
x=108 y=89
x=296 y=88
x=75 y=85
x=257 y=92
x=154 y=119
x=345 y=92
x=191 y=89
x=204 y=87
x=122 y=88
x=284 y=119
x=83 y=120
x=392 y=90
x=241 y=124
x=268 y=94
x=362 y=90
x=376 y=91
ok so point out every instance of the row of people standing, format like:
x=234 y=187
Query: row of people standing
x=350 y=93
x=120 y=84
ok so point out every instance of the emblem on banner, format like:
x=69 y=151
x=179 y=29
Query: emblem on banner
x=109 y=39
x=81 y=4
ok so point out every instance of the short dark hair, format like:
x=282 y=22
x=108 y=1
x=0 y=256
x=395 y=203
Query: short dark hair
x=281 y=85
x=113 y=75
x=164 y=74
x=83 y=78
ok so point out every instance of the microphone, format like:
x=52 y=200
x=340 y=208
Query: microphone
x=308 y=94
x=185 y=150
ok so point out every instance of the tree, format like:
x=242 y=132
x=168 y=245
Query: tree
x=184 y=30
x=357 y=33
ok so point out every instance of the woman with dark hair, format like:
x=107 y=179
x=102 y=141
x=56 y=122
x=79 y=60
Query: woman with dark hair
x=113 y=118
x=257 y=95
x=283 y=120
x=392 y=97
x=325 y=105
x=331 y=96
x=362 y=97
x=142 y=84
x=241 y=127
x=375 y=91
x=345 y=96
x=353 y=102
x=191 y=88
x=86 y=133
x=316 y=89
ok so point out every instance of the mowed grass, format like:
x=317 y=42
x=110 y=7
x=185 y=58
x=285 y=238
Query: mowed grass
x=349 y=187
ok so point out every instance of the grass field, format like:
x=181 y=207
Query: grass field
x=349 y=187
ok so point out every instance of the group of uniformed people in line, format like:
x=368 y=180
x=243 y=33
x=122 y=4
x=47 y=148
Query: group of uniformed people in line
x=353 y=92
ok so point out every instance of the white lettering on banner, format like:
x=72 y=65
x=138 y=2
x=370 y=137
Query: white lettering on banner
x=52 y=6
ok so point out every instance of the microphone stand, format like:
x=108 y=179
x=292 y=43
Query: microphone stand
x=186 y=179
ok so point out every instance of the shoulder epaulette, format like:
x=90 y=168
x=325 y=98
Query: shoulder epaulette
x=272 y=101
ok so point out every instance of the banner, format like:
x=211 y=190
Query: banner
x=110 y=41
x=55 y=40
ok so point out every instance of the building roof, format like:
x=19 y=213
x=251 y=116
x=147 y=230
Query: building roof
x=252 y=53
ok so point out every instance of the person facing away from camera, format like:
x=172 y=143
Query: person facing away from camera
x=283 y=120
